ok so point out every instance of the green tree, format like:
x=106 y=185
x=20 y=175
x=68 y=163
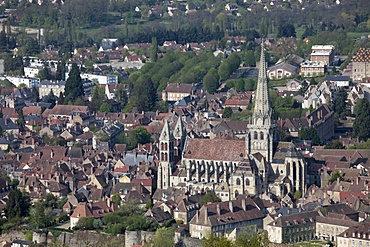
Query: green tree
x=144 y=95
x=310 y=134
x=98 y=97
x=85 y=223
x=20 y=120
x=164 y=237
x=240 y=85
x=210 y=196
x=121 y=96
x=154 y=50
x=105 y=107
x=297 y=194
x=361 y=125
x=116 y=198
x=286 y=29
x=45 y=73
x=17 y=205
x=340 y=105
x=73 y=87
x=50 y=98
x=228 y=112
x=211 y=81
x=252 y=239
x=335 y=144
x=335 y=176
x=212 y=241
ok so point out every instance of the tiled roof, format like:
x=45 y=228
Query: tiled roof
x=179 y=88
x=216 y=149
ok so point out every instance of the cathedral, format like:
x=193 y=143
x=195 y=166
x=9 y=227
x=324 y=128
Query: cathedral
x=255 y=165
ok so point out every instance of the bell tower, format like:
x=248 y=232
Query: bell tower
x=260 y=135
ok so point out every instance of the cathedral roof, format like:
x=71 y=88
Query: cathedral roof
x=285 y=150
x=215 y=149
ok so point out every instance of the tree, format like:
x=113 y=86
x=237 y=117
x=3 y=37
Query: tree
x=286 y=29
x=121 y=96
x=17 y=205
x=144 y=95
x=340 y=105
x=97 y=99
x=213 y=241
x=164 y=237
x=85 y=223
x=297 y=194
x=239 y=85
x=20 y=120
x=50 y=98
x=335 y=176
x=361 y=125
x=211 y=81
x=210 y=196
x=252 y=239
x=45 y=73
x=154 y=50
x=105 y=107
x=228 y=112
x=335 y=144
x=116 y=198
x=310 y=134
x=73 y=87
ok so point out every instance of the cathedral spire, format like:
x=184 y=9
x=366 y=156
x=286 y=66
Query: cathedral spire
x=262 y=106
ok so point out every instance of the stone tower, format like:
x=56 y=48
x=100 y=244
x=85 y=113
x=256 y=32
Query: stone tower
x=260 y=136
x=171 y=144
x=165 y=157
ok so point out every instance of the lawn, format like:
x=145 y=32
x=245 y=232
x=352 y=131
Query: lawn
x=355 y=35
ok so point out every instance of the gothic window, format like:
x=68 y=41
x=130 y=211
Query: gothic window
x=165 y=157
x=255 y=135
x=247 y=181
x=162 y=157
x=162 y=146
x=237 y=181
x=165 y=146
x=261 y=135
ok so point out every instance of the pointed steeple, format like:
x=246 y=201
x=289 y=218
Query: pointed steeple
x=262 y=113
x=179 y=129
x=165 y=134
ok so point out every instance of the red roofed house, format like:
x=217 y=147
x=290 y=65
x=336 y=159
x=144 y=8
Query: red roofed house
x=177 y=91
x=96 y=210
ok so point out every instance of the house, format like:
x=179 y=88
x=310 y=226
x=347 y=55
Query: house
x=240 y=101
x=357 y=92
x=221 y=217
x=293 y=85
x=177 y=91
x=355 y=236
x=46 y=86
x=322 y=119
x=65 y=111
x=322 y=53
x=96 y=210
x=293 y=228
x=8 y=126
x=360 y=65
x=312 y=69
x=281 y=70
x=339 y=80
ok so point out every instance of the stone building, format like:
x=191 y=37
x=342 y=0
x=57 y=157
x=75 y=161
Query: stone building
x=256 y=165
x=361 y=65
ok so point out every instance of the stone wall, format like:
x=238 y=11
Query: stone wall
x=137 y=237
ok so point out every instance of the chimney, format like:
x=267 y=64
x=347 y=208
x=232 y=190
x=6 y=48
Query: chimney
x=218 y=209
x=231 y=207
x=205 y=215
x=108 y=203
x=244 y=206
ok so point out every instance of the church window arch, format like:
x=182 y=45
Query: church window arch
x=261 y=135
x=237 y=181
x=165 y=157
x=255 y=135
x=165 y=146
x=162 y=156
x=162 y=145
x=247 y=182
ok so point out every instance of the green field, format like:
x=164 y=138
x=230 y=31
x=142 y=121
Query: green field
x=355 y=35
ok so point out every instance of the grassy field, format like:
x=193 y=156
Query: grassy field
x=355 y=35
